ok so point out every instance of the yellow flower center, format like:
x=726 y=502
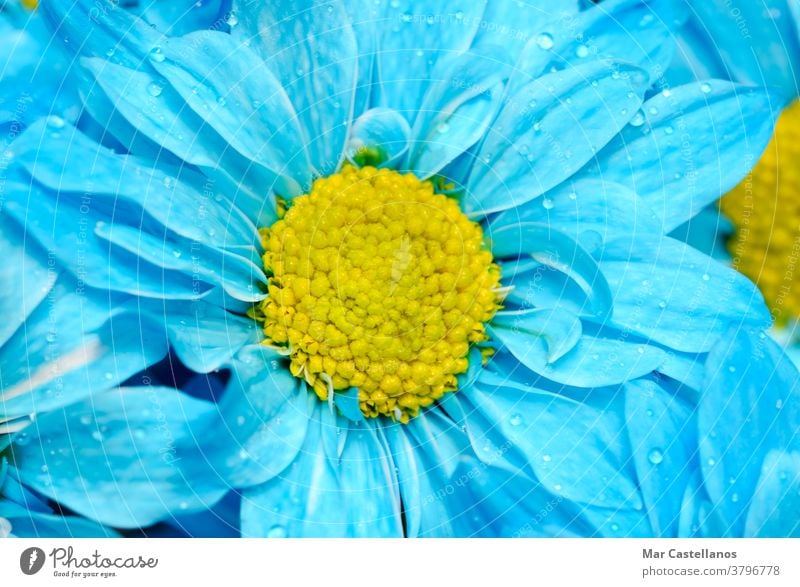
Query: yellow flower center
x=377 y=283
x=30 y=4
x=765 y=208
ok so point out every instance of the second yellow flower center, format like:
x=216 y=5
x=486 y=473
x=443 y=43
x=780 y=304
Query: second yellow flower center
x=765 y=208
x=380 y=284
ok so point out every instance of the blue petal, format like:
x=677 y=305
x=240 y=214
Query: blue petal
x=548 y=129
x=33 y=524
x=764 y=53
x=575 y=450
x=231 y=89
x=80 y=343
x=205 y=336
x=615 y=30
x=312 y=50
x=427 y=452
x=115 y=458
x=592 y=361
x=512 y=24
x=596 y=211
x=348 y=405
x=383 y=133
x=414 y=36
x=457 y=110
x=666 y=290
x=557 y=250
x=25 y=278
x=560 y=330
x=663 y=438
x=750 y=406
x=775 y=509
x=261 y=424
x=181 y=17
x=354 y=496
x=690 y=145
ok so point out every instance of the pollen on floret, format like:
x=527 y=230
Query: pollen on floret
x=377 y=283
x=765 y=209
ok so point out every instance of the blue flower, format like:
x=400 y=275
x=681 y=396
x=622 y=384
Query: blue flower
x=615 y=382
x=755 y=44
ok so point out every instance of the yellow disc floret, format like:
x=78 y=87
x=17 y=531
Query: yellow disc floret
x=380 y=284
x=765 y=208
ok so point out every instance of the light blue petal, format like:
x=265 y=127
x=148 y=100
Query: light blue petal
x=775 y=509
x=573 y=449
x=512 y=24
x=116 y=458
x=25 y=278
x=228 y=85
x=63 y=228
x=632 y=31
x=457 y=110
x=135 y=104
x=261 y=424
x=26 y=523
x=354 y=496
x=427 y=452
x=750 y=406
x=596 y=211
x=79 y=343
x=762 y=53
x=57 y=157
x=662 y=432
x=689 y=145
x=382 y=135
x=414 y=36
x=181 y=17
x=238 y=276
x=347 y=403
x=557 y=250
x=592 y=361
x=671 y=293
x=312 y=50
x=560 y=330
x=548 y=129
x=204 y=336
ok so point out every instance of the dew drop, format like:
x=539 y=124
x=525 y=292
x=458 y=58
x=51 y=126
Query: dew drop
x=706 y=277
x=662 y=304
x=547 y=204
x=705 y=87
x=582 y=51
x=655 y=456
x=711 y=462
x=277 y=532
x=669 y=130
x=638 y=119
x=154 y=89
x=97 y=436
x=732 y=369
x=22 y=439
x=779 y=404
x=240 y=420
x=547 y=458
x=55 y=122
x=515 y=420
x=86 y=419
x=156 y=54
x=231 y=19
x=653 y=110
x=735 y=498
x=615 y=527
x=443 y=128
x=545 y=41
x=573 y=196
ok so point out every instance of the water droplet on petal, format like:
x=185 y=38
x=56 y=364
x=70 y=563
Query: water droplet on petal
x=706 y=277
x=582 y=51
x=443 y=128
x=277 y=532
x=655 y=456
x=705 y=87
x=545 y=41
x=55 y=122
x=156 y=54
x=547 y=458
x=638 y=119
x=231 y=19
x=547 y=204
x=515 y=420
x=154 y=89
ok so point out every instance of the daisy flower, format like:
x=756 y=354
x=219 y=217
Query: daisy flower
x=427 y=247
x=758 y=43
